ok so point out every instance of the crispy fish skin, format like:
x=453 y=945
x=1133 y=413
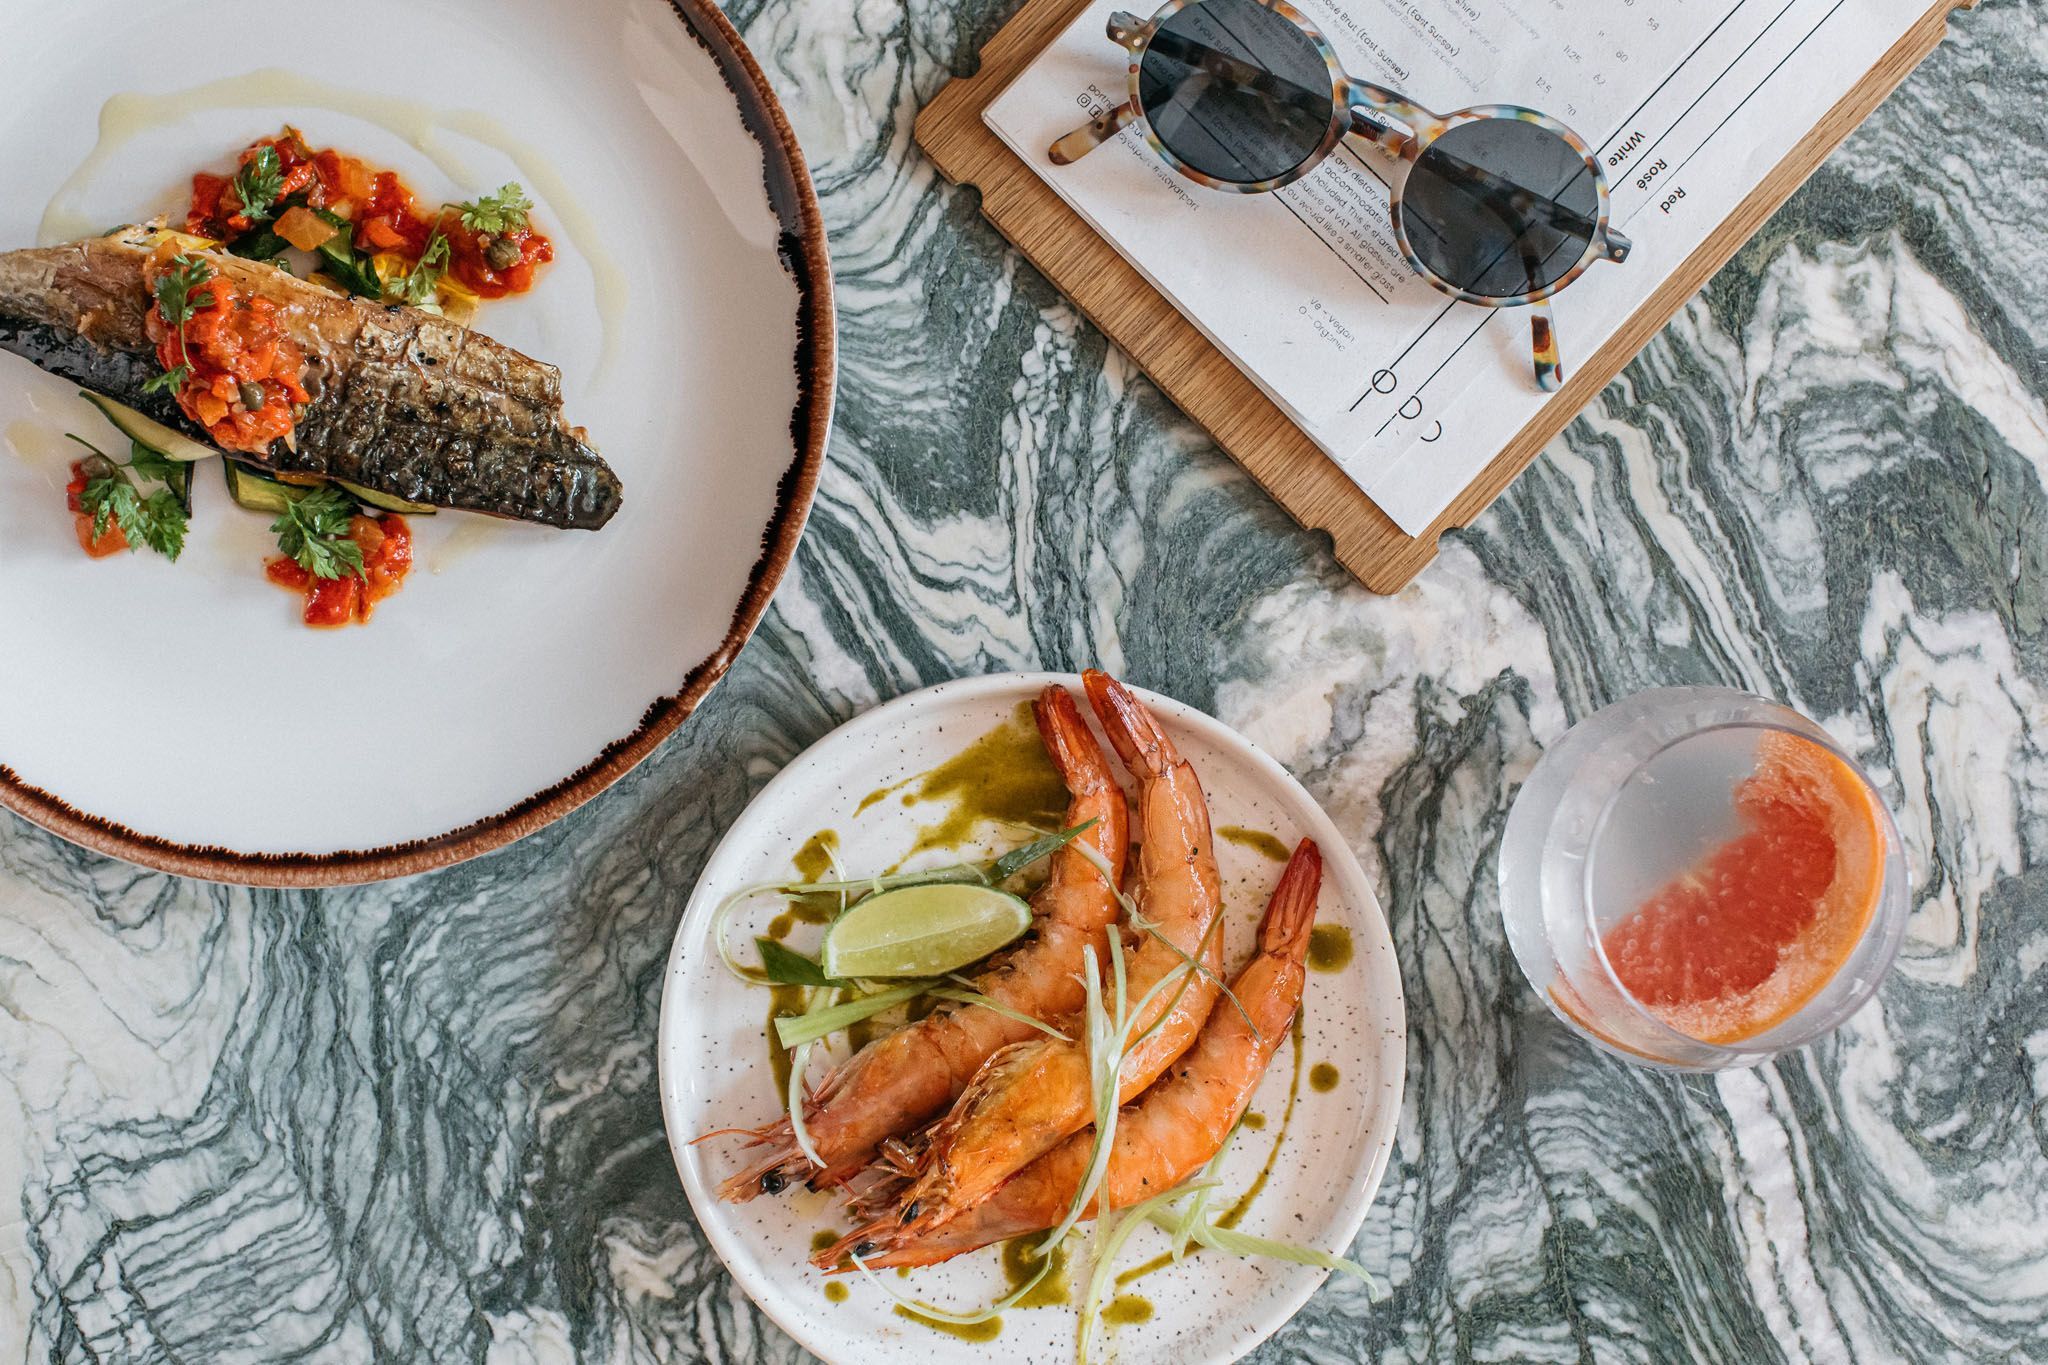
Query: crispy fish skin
x=403 y=401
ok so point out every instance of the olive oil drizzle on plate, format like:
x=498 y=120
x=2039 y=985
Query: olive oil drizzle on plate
x=1258 y=840
x=269 y=92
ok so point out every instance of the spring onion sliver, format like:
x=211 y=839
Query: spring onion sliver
x=955 y=872
x=1237 y=1243
x=1109 y=1042
x=795 y=1030
x=753 y=976
x=969 y=996
x=1197 y=967
x=1110 y=1246
x=926 y=1310
x=1191 y=1216
x=1101 y=865
x=800 y=1055
x=1104 y=1028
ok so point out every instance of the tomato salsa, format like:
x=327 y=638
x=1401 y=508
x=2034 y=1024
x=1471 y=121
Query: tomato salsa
x=386 y=543
x=241 y=375
x=492 y=250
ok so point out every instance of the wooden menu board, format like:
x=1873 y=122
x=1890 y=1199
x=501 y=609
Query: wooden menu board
x=1213 y=391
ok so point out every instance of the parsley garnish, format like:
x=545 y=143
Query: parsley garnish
x=179 y=289
x=149 y=463
x=259 y=182
x=313 y=529
x=158 y=521
x=418 y=285
x=170 y=381
x=500 y=212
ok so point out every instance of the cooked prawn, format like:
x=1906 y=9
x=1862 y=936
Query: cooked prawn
x=1175 y=1127
x=903 y=1078
x=1032 y=1095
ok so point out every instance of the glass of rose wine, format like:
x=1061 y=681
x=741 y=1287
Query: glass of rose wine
x=1697 y=878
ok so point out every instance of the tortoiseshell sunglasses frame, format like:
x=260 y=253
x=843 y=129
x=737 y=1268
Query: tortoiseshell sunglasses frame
x=1401 y=128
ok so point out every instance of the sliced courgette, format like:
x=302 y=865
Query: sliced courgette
x=257 y=492
x=384 y=502
x=179 y=481
x=172 y=445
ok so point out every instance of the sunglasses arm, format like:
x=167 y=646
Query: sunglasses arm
x=1092 y=134
x=1543 y=347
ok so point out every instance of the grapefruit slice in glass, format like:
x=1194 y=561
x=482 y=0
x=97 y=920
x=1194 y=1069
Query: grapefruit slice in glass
x=1746 y=936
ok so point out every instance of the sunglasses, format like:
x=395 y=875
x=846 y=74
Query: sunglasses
x=1502 y=206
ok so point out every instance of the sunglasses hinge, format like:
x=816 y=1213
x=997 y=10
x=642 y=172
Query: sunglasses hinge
x=1128 y=30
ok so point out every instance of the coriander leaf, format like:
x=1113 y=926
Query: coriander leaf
x=787 y=967
x=150 y=464
x=500 y=212
x=313 y=529
x=170 y=381
x=181 y=289
x=259 y=182
x=418 y=285
x=161 y=524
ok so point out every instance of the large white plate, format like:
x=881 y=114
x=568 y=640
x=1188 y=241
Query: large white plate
x=714 y=1071
x=179 y=715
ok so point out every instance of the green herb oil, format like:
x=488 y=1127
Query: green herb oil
x=1258 y=840
x=1019 y=1265
x=1329 y=948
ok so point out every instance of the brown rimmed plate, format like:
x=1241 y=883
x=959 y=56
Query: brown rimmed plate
x=179 y=715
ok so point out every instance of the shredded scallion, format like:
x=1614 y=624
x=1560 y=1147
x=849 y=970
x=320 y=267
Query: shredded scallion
x=970 y=996
x=798 y=1056
x=1191 y=1216
x=936 y=1314
x=1237 y=1243
x=809 y=1027
x=1110 y=1245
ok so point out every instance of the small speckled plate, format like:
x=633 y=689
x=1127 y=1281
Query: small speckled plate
x=1325 y=1158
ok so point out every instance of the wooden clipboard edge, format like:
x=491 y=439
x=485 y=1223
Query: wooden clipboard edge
x=1216 y=394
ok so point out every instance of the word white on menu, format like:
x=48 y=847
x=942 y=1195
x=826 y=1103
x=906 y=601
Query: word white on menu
x=1689 y=104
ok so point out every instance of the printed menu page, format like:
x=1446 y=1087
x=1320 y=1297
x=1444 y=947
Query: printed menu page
x=1688 y=104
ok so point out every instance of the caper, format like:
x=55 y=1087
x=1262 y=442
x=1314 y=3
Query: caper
x=252 y=394
x=503 y=254
x=96 y=467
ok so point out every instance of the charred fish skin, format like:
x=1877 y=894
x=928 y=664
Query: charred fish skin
x=402 y=401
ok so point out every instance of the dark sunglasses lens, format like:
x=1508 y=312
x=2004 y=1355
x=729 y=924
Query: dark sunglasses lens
x=1500 y=207
x=1235 y=90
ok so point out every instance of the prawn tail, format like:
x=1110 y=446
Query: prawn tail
x=1137 y=737
x=1291 y=914
x=1069 y=744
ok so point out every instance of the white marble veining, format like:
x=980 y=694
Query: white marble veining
x=418 y=1121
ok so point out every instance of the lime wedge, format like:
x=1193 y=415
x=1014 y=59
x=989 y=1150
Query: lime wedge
x=922 y=930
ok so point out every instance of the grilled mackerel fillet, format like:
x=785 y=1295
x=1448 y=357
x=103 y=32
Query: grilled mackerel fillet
x=402 y=401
